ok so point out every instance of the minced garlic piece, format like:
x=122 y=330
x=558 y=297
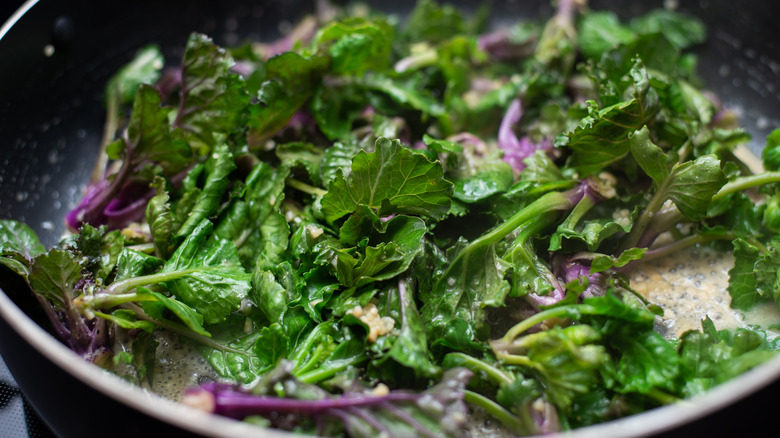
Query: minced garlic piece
x=314 y=231
x=381 y=390
x=377 y=325
x=621 y=216
x=606 y=183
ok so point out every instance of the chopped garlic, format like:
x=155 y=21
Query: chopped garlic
x=621 y=217
x=381 y=390
x=314 y=231
x=606 y=183
x=377 y=326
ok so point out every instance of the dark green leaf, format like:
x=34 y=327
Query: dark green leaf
x=216 y=282
x=683 y=30
x=54 y=275
x=410 y=345
x=770 y=155
x=392 y=180
x=144 y=68
x=692 y=184
x=218 y=169
x=602 y=137
x=290 y=81
x=600 y=31
x=357 y=44
x=19 y=245
x=158 y=215
x=213 y=98
x=192 y=319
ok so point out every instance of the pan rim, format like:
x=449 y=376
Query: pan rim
x=647 y=423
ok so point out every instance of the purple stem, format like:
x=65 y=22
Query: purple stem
x=515 y=150
x=499 y=46
x=232 y=402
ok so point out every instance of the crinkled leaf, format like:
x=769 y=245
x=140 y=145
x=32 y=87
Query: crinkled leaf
x=433 y=22
x=568 y=360
x=742 y=279
x=132 y=263
x=474 y=278
x=391 y=180
x=682 y=29
x=767 y=272
x=212 y=97
x=647 y=360
x=301 y=154
x=602 y=137
x=101 y=249
x=255 y=222
x=384 y=249
x=404 y=92
x=237 y=361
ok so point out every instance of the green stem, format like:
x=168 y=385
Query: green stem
x=146 y=248
x=641 y=224
x=319 y=352
x=747 y=182
x=577 y=213
x=331 y=370
x=495 y=410
x=316 y=336
x=85 y=303
x=494 y=374
x=306 y=188
x=662 y=397
x=128 y=284
x=684 y=243
x=417 y=61
x=180 y=330
x=109 y=131
x=548 y=202
x=515 y=359
x=556 y=312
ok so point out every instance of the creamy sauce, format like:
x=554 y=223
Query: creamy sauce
x=179 y=366
x=692 y=284
x=689 y=286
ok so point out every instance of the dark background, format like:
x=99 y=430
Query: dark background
x=17 y=417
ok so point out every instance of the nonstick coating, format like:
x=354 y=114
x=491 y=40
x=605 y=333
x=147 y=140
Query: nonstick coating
x=56 y=59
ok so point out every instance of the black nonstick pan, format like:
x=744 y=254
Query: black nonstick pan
x=55 y=58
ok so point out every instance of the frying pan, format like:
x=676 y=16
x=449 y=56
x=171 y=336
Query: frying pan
x=56 y=56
